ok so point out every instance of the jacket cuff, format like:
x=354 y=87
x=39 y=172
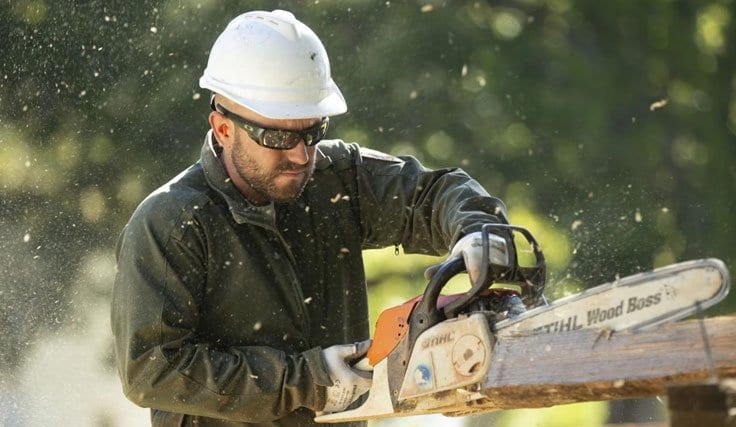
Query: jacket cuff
x=320 y=378
x=472 y=228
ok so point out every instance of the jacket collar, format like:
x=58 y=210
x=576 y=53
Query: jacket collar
x=240 y=208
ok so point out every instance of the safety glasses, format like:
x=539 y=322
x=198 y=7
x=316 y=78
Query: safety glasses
x=277 y=139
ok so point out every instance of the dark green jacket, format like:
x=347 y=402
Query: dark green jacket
x=220 y=307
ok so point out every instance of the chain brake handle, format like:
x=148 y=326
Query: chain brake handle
x=531 y=279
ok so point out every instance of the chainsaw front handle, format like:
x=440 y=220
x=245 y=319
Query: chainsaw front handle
x=531 y=279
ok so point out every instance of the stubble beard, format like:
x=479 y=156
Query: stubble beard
x=263 y=182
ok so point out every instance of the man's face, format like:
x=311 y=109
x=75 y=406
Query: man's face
x=263 y=174
x=272 y=174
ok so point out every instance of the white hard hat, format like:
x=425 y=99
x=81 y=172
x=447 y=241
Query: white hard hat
x=274 y=65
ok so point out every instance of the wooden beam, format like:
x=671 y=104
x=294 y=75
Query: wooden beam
x=586 y=365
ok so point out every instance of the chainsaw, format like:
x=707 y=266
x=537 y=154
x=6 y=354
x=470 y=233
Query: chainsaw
x=433 y=347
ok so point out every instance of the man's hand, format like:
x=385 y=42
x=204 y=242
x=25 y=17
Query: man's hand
x=348 y=384
x=470 y=247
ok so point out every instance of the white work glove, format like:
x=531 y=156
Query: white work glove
x=348 y=384
x=470 y=247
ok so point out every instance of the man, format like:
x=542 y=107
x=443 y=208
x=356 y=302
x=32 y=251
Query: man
x=240 y=294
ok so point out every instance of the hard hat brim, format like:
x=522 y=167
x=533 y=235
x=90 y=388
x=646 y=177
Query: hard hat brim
x=330 y=105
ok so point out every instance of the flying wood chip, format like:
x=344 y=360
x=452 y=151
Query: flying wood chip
x=659 y=104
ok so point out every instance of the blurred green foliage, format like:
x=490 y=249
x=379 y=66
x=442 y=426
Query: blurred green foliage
x=607 y=127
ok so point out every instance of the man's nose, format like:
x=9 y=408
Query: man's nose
x=299 y=154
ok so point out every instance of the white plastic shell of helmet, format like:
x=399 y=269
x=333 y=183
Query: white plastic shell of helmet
x=274 y=65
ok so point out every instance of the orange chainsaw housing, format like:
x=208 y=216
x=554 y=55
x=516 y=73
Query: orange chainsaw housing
x=393 y=324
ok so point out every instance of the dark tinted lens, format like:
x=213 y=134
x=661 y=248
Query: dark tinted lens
x=316 y=133
x=311 y=136
x=280 y=139
x=285 y=140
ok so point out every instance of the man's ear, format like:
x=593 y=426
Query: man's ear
x=220 y=127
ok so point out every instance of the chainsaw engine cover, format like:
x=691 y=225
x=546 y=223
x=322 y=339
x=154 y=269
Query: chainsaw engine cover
x=452 y=354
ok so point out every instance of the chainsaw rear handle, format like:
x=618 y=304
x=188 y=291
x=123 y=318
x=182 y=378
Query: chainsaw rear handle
x=426 y=314
x=531 y=279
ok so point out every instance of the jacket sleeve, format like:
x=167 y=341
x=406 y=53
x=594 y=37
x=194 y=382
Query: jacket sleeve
x=426 y=211
x=161 y=361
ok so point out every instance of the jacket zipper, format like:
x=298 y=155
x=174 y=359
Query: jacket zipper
x=294 y=283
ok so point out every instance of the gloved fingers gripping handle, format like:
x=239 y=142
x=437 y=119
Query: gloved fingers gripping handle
x=363 y=367
x=343 y=357
x=360 y=349
x=347 y=383
x=470 y=248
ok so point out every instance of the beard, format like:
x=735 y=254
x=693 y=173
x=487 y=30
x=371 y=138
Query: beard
x=266 y=182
